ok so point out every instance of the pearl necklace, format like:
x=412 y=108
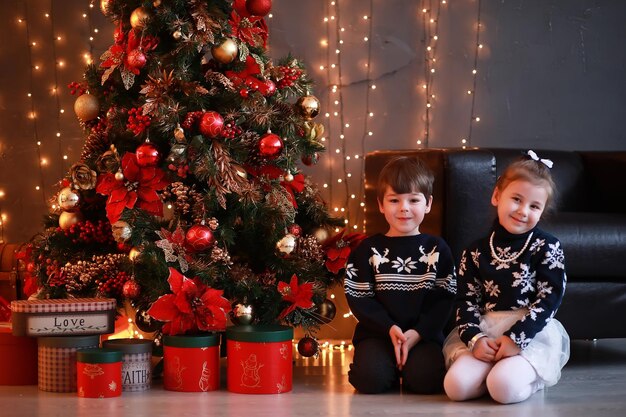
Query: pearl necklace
x=511 y=258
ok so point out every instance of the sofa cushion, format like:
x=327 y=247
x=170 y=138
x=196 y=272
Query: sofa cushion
x=594 y=244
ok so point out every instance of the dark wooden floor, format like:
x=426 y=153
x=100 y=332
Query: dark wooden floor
x=593 y=384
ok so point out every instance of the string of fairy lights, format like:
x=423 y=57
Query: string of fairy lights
x=477 y=47
x=430 y=37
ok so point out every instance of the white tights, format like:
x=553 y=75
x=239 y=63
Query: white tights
x=509 y=380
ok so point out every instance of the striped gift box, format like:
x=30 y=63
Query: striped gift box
x=57 y=361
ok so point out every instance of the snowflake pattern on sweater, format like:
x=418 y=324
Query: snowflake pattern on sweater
x=534 y=281
x=409 y=281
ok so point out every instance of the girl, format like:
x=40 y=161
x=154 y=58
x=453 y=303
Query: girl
x=510 y=285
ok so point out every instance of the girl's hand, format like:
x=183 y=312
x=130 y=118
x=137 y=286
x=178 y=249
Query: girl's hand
x=485 y=349
x=412 y=339
x=397 y=339
x=507 y=348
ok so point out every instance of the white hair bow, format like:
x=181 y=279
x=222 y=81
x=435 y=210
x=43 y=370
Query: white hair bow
x=534 y=157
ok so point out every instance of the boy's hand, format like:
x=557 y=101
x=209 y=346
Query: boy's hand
x=412 y=339
x=485 y=349
x=507 y=348
x=397 y=339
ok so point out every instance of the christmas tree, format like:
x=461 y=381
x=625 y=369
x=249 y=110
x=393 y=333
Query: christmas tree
x=188 y=199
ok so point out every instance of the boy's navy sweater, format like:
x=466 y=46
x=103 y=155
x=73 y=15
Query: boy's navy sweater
x=408 y=281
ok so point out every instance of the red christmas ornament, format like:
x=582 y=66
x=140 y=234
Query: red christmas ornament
x=295 y=230
x=136 y=58
x=270 y=145
x=211 y=124
x=307 y=347
x=309 y=160
x=199 y=238
x=147 y=155
x=131 y=289
x=258 y=7
x=270 y=88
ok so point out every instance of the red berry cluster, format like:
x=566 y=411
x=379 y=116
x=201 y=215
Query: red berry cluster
x=137 y=122
x=230 y=130
x=77 y=88
x=52 y=272
x=111 y=286
x=97 y=125
x=181 y=170
x=88 y=232
x=290 y=75
x=191 y=119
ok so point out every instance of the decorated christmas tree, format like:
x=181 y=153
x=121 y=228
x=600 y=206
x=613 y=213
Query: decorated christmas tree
x=188 y=199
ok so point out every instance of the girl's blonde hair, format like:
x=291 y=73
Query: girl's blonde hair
x=535 y=172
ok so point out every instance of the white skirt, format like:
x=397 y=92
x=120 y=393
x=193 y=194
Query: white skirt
x=547 y=352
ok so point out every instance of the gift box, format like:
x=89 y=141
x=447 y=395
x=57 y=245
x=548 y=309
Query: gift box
x=191 y=363
x=57 y=360
x=18 y=358
x=136 y=362
x=74 y=316
x=259 y=359
x=99 y=373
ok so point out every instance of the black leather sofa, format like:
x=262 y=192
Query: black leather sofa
x=590 y=221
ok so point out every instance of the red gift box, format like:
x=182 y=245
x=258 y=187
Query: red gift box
x=99 y=373
x=191 y=363
x=18 y=358
x=259 y=359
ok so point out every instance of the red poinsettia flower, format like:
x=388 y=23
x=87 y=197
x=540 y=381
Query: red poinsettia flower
x=251 y=29
x=192 y=307
x=299 y=295
x=338 y=249
x=138 y=188
x=118 y=53
x=296 y=185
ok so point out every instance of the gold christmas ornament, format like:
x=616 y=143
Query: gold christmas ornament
x=87 y=107
x=119 y=176
x=139 y=18
x=308 y=107
x=321 y=234
x=226 y=52
x=68 y=199
x=242 y=314
x=289 y=177
x=67 y=219
x=179 y=133
x=121 y=231
x=287 y=244
x=134 y=253
x=177 y=35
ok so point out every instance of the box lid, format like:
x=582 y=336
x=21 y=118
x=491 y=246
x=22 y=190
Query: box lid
x=192 y=341
x=129 y=345
x=63 y=305
x=98 y=355
x=69 y=341
x=260 y=333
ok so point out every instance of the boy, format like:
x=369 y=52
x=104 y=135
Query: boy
x=400 y=286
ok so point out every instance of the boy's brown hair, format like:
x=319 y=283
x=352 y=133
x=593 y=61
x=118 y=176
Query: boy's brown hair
x=405 y=175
